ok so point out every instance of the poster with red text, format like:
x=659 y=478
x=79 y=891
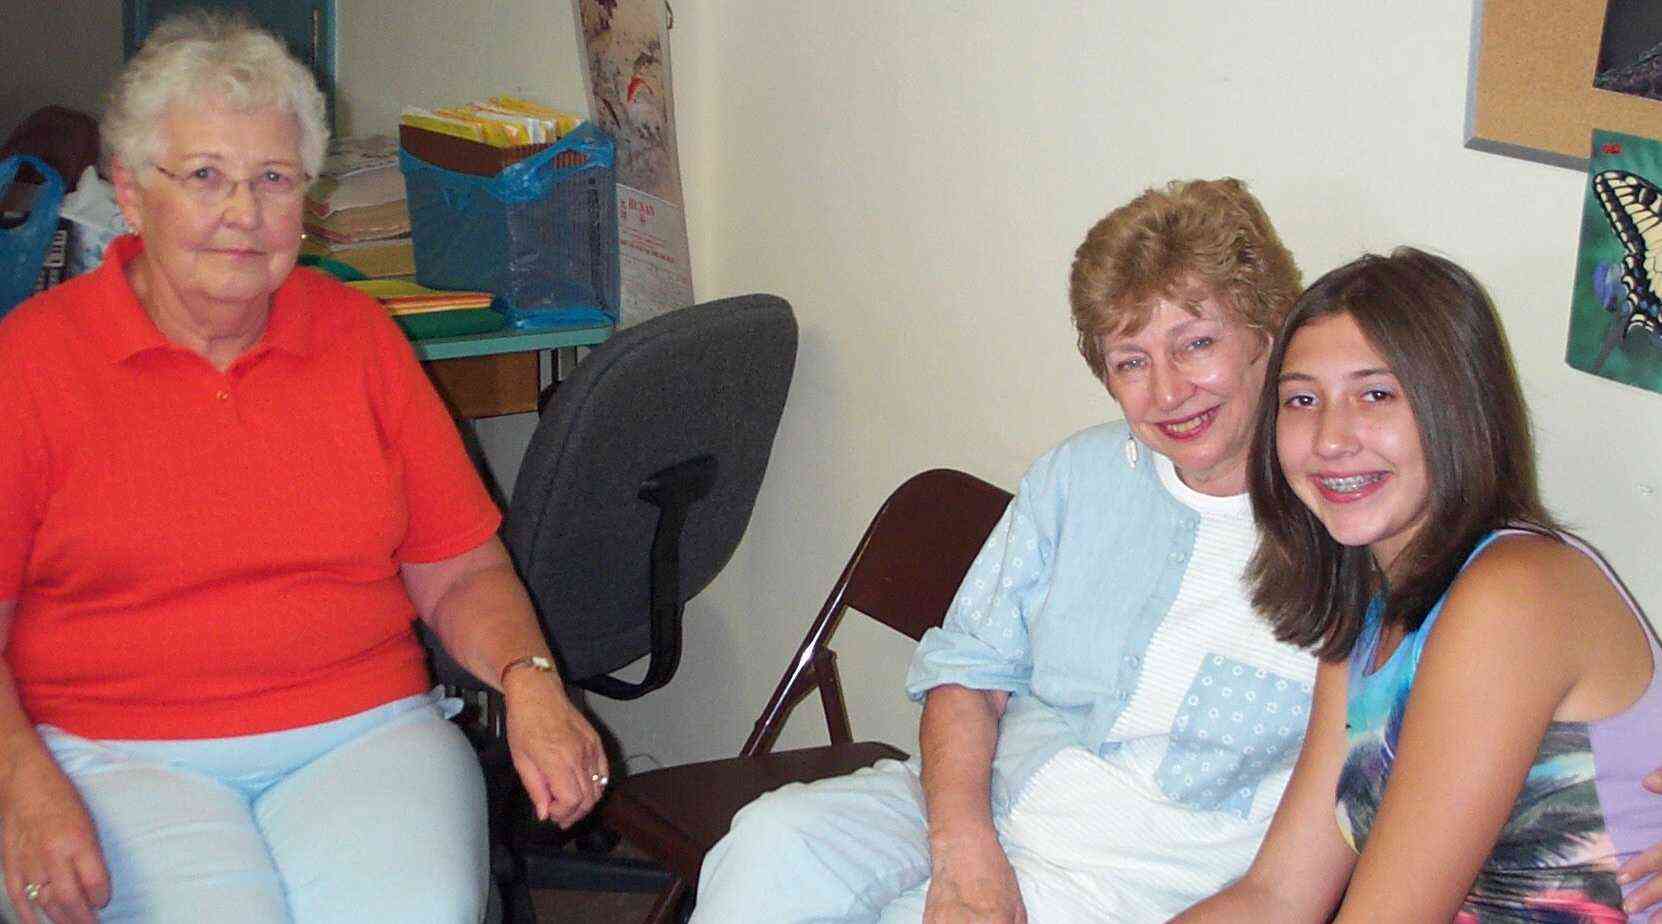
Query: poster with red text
x=626 y=63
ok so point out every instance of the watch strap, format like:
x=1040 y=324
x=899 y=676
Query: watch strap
x=535 y=662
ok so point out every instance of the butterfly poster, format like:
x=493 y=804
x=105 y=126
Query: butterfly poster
x=1616 y=309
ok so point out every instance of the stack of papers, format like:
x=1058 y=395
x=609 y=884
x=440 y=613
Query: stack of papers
x=362 y=223
x=424 y=312
x=404 y=297
x=356 y=213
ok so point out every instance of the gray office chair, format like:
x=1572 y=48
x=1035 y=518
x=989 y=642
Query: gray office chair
x=636 y=488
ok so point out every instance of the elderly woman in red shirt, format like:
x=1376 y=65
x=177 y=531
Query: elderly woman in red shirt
x=228 y=492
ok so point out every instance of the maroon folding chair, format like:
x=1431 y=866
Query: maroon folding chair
x=903 y=574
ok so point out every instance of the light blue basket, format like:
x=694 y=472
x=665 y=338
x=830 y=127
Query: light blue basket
x=541 y=235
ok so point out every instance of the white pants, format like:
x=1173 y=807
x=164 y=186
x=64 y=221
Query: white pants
x=1086 y=843
x=378 y=816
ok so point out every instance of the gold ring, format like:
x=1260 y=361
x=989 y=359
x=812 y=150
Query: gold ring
x=32 y=890
x=594 y=777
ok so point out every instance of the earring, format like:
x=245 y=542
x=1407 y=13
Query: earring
x=1131 y=452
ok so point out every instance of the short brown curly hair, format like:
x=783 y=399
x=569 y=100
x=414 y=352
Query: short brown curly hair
x=1210 y=232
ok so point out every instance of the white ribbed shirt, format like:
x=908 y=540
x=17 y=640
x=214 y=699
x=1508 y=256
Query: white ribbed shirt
x=1205 y=747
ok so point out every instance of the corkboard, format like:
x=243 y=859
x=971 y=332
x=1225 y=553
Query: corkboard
x=1530 y=91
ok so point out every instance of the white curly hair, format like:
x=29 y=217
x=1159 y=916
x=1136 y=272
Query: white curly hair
x=225 y=59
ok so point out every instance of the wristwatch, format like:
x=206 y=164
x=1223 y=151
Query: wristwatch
x=535 y=662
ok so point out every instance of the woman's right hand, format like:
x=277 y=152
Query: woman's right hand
x=973 y=883
x=971 y=880
x=48 y=839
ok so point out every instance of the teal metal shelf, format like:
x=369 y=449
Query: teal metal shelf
x=511 y=341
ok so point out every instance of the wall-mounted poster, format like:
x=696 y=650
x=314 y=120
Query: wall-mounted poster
x=1615 y=312
x=626 y=62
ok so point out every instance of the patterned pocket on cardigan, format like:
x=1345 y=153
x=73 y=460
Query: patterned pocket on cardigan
x=1237 y=724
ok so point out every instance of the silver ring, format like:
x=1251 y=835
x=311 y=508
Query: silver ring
x=32 y=890
x=604 y=780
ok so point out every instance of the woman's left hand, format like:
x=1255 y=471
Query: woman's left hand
x=556 y=751
x=1645 y=863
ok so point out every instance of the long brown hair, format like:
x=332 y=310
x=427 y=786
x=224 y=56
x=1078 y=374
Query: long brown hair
x=1436 y=328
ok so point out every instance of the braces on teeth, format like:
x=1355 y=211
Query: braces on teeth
x=1349 y=484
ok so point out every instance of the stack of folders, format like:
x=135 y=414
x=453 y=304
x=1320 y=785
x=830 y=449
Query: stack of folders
x=501 y=121
x=425 y=313
x=355 y=211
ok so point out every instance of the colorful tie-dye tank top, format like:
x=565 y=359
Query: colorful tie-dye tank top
x=1582 y=811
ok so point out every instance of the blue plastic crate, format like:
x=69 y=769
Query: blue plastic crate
x=541 y=235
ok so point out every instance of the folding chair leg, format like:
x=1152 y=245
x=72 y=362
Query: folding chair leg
x=668 y=905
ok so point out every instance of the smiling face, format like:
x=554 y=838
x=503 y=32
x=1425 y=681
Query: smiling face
x=1188 y=382
x=1347 y=439
x=213 y=264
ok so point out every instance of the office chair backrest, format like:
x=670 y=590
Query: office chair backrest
x=904 y=574
x=683 y=404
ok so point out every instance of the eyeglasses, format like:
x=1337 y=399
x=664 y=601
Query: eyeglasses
x=210 y=186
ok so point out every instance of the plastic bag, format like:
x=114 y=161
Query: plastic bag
x=541 y=235
x=23 y=245
x=96 y=220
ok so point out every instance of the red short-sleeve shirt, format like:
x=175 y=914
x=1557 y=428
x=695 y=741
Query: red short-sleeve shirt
x=202 y=554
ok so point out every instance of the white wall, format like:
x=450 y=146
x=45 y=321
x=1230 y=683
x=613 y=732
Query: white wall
x=63 y=51
x=914 y=178
x=397 y=53
x=448 y=52
x=391 y=53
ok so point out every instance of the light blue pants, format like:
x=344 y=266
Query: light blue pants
x=849 y=849
x=1084 y=842
x=378 y=816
